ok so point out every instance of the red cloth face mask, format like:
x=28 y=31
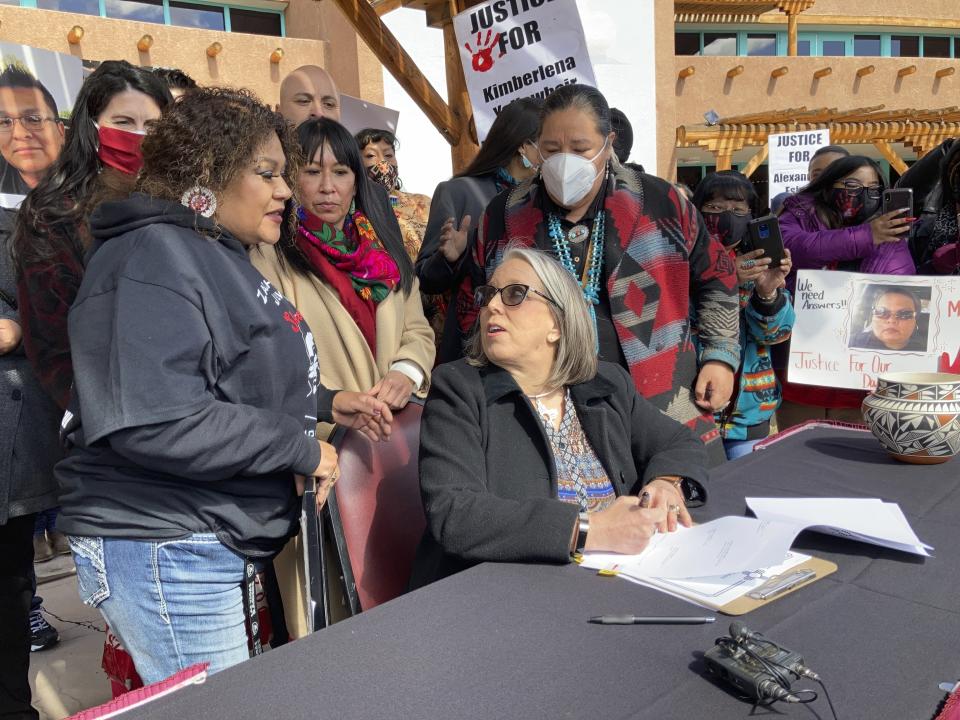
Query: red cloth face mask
x=120 y=149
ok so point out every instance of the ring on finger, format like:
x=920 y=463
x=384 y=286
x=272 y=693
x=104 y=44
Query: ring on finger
x=675 y=509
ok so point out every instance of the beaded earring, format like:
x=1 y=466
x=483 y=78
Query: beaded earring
x=201 y=200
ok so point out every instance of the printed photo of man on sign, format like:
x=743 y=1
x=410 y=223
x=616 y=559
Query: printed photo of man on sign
x=37 y=91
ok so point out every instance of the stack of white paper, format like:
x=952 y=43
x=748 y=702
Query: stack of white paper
x=711 y=564
x=717 y=562
x=868 y=520
x=729 y=544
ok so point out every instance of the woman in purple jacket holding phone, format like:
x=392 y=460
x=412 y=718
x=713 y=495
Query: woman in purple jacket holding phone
x=833 y=224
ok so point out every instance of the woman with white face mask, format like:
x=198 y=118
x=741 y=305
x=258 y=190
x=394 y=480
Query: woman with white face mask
x=640 y=254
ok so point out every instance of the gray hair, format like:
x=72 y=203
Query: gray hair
x=576 y=360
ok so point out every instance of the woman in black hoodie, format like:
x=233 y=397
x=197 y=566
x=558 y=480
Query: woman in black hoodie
x=197 y=390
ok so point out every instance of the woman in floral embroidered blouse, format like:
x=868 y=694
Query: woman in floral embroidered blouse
x=378 y=152
x=531 y=449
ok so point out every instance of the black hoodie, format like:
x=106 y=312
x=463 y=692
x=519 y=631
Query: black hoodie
x=196 y=385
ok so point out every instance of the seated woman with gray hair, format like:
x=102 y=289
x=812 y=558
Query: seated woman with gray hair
x=532 y=450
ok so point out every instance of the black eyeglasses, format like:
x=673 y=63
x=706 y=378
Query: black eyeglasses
x=884 y=314
x=511 y=295
x=856 y=189
x=712 y=207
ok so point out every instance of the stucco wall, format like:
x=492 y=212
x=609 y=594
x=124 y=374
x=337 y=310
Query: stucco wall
x=929 y=9
x=347 y=57
x=755 y=91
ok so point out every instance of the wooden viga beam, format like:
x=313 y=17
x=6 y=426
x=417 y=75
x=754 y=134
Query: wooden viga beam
x=364 y=19
x=382 y=7
x=890 y=155
x=840 y=132
x=762 y=117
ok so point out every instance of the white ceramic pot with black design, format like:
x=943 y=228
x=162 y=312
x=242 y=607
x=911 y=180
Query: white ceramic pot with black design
x=916 y=416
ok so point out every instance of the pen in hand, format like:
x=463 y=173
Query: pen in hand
x=661 y=620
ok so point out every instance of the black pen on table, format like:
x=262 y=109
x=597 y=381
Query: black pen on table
x=661 y=620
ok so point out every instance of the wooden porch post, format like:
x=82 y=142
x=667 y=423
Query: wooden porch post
x=364 y=19
x=791 y=34
x=463 y=151
x=724 y=159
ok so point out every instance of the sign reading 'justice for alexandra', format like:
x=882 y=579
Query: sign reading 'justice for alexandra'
x=789 y=155
x=513 y=49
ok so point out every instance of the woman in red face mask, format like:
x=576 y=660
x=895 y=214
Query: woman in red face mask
x=100 y=161
x=835 y=224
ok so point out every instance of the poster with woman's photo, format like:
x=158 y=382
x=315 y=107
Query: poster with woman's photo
x=37 y=92
x=851 y=327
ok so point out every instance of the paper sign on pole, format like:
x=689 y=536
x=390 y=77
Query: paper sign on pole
x=513 y=49
x=789 y=155
x=852 y=327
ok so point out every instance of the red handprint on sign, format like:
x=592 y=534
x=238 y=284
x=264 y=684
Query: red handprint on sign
x=945 y=366
x=482 y=58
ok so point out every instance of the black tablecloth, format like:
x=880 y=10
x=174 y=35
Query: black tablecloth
x=512 y=641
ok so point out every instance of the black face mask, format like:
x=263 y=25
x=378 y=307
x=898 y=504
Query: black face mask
x=854 y=209
x=727 y=227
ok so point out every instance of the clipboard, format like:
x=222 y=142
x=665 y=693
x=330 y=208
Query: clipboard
x=744 y=604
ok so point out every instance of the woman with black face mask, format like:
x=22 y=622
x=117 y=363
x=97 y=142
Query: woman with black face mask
x=834 y=224
x=727 y=202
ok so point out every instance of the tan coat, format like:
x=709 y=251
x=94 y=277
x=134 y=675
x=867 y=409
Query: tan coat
x=346 y=362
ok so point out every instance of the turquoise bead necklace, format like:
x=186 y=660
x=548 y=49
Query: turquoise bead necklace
x=593 y=272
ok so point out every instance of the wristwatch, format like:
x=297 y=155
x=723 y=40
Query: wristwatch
x=694 y=494
x=583 y=527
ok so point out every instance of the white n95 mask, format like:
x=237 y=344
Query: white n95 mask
x=568 y=177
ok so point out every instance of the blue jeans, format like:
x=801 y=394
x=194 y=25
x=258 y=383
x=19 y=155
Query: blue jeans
x=46 y=521
x=171 y=603
x=739 y=448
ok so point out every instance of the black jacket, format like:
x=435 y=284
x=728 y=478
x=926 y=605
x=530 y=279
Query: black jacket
x=197 y=387
x=29 y=418
x=488 y=476
x=452 y=198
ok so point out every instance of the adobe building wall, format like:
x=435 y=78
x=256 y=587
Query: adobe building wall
x=244 y=60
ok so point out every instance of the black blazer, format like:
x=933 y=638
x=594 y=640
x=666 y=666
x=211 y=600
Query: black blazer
x=488 y=477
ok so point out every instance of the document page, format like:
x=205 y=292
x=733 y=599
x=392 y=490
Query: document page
x=868 y=520
x=720 y=547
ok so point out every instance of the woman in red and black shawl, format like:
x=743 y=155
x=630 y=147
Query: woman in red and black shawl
x=645 y=262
